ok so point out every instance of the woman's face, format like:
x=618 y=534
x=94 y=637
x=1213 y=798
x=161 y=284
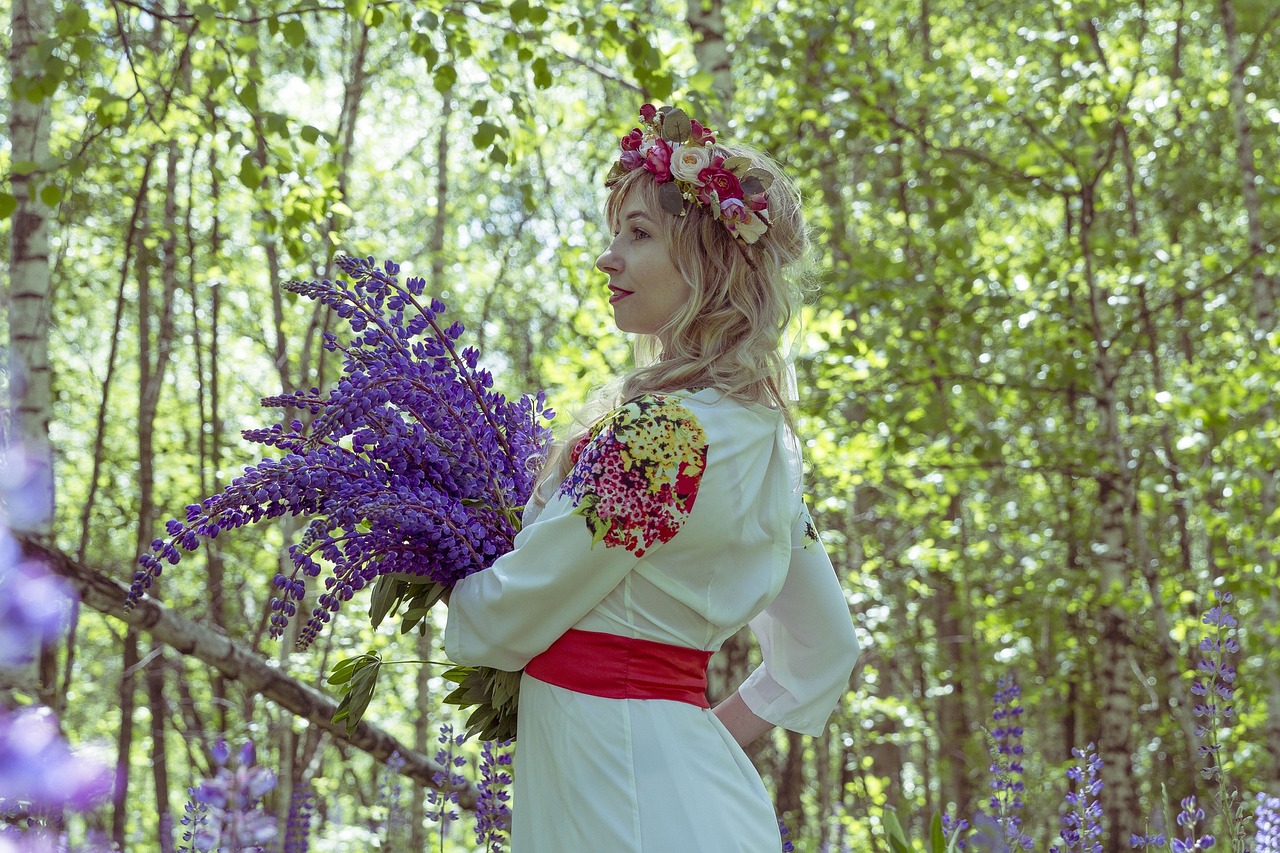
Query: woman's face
x=645 y=289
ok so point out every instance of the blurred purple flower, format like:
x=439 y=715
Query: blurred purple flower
x=297 y=834
x=225 y=812
x=1266 y=821
x=35 y=605
x=38 y=767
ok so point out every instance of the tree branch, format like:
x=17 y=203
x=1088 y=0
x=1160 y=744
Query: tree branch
x=207 y=644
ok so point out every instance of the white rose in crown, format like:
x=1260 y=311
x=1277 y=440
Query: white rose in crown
x=688 y=161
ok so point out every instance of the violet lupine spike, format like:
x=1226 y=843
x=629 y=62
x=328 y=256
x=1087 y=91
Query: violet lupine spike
x=1006 y=765
x=448 y=780
x=1215 y=687
x=1081 y=828
x=410 y=463
x=1189 y=820
x=1266 y=822
x=297 y=834
x=233 y=818
x=493 y=814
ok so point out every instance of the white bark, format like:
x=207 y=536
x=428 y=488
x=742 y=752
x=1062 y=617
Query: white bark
x=29 y=375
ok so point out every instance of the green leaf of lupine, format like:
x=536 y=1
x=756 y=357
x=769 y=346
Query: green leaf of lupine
x=937 y=841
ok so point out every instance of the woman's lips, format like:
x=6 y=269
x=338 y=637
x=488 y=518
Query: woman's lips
x=618 y=294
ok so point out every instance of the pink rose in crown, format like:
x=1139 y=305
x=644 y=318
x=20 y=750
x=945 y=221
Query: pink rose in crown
x=657 y=160
x=631 y=160
x=631 y=142
x=741 y=221
x=700 y=135
x=720 y=181
x=759 y=201
x=648 y=111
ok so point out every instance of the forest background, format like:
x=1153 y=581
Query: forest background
x=1037 y=375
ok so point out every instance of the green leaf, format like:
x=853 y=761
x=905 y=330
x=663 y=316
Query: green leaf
x=8 y=204
x=250 y=175
x=671 y=199
x=355 y=8
x=542 y=74
x=248 y=96
x=519 y=10
x=893 y=832
x=386 y=594
x=204 y=11
x=937 y=840
x=446 y=77
x=310 y=133
x=50 y=194
x=295 y=32
x=676 y=127
x=485 y=134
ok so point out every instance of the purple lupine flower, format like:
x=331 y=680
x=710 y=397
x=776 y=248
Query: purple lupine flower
x=952 y=827
x=1156 y=839
x=1081 y=828
x=233 y=818
x=988 y=835
x=1006 y=763
x=1266 y=822
x=197 y=837
x=1189 y=819
x=297 y=833
x=785 y=832
x=37 y=765
x=35 y=605
x=493 y=815
x=411 y=463
x=447 y=779
x=1215 y=687
x=391 y=791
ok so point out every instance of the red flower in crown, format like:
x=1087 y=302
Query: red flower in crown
x=658 y=160
x=631 y=142
x=700 y=135
x=648 y=111
x=721 y=181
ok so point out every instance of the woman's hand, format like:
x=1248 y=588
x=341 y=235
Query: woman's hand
x=744 y=725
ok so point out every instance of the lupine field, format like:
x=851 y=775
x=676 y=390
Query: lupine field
x=292 y=284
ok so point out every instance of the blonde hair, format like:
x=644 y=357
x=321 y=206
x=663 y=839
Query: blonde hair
x=729 y=334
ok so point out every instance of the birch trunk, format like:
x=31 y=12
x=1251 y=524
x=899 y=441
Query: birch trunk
x=1113 y=565
x=29 y=370
x=705 y=19
x=230 y=657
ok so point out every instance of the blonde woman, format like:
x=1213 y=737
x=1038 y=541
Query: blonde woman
x=665 y=526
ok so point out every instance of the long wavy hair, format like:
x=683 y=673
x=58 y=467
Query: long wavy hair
x=730 y=333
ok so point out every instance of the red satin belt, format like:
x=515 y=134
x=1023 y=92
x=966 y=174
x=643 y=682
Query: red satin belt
x=614 y=667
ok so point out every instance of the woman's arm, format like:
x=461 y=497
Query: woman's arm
x=735 y=716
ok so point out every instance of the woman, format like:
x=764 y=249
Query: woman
x=672 y=521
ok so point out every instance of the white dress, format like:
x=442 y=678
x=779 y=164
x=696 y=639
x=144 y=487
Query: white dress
x=681 y=521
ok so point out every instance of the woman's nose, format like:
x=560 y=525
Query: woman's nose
x=609 y=262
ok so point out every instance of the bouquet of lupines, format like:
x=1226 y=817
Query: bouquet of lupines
x=412 y=470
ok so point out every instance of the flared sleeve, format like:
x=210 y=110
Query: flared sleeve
x=807 y=641
x=634 y=481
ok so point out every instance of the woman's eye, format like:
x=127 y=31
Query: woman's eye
x=640 y=233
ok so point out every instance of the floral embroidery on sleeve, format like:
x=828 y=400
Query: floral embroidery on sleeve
x=636 y=476
x=810 y=531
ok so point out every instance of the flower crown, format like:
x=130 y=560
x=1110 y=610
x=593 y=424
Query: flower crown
x=680 y=154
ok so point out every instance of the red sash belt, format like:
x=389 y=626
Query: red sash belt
x=616 y=667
